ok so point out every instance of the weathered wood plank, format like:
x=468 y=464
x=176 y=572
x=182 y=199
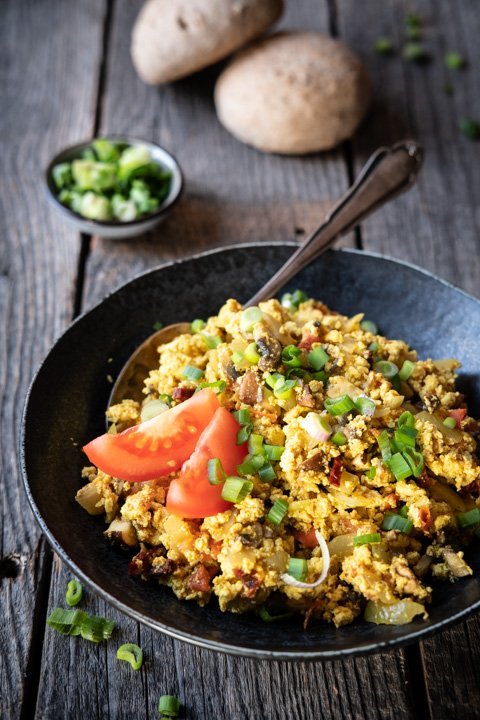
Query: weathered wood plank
x=49 y=55
x=436 y=225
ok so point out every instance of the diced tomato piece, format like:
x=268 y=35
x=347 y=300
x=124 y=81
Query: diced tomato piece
x=458 y=414
x=155 y=447
x=308 y=539
x=190 y=495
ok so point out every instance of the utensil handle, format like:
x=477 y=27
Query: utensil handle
x=387 y=173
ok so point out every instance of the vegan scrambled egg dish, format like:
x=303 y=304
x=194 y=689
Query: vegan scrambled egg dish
x=289 y=459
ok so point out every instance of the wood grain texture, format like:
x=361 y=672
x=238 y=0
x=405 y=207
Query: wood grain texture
x=48 y=89
x=436 y=225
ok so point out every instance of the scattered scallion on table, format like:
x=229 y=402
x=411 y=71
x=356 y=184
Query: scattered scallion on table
x=470 y=128
x=131 y=653
x=454 y=61
x=169 y=706
x=74 y=593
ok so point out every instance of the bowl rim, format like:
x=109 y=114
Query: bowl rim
x=306 y=655
x=169 y=201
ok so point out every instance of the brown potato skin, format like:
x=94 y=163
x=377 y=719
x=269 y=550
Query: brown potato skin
x=174 y=38
x=293 y=93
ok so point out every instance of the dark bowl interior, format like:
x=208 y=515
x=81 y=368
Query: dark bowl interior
x=65 y=409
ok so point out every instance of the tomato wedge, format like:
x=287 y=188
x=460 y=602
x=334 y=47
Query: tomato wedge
x=308 y=539
x=155 y=447
x=190 y=495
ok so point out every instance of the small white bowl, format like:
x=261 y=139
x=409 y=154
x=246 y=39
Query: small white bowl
x=117 y=229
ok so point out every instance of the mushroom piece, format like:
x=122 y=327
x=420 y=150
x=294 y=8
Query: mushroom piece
x=250 y=391
x=269 y=348
x=122 y=532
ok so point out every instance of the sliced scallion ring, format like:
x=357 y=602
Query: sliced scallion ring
x=274 y=452
x=277 y=512
x=192 y=373
x=169 y=705
x=406 y=370
x=255 y=444
x=251 y=354
x=289 y=580
x=388 y=369
x=407 y=419
x=383 y=441
x=469 y=518
x=250 y=317
x=367 y=539
x=340 y=405
x=339 y=438
x=317 y=358
x=152 y=409
x=291 y=301
x=132 y=654
x=450 y=422
x=415 y=460
x=399 y=467
x=236 y=489
x=242 y=416
x=291 y=356
x=216 y=473
x=197 y=325
x=297 y=568
x=369 y=326
x=74 y=593
x=267 y=473
x=392 y=521
x=365 y=405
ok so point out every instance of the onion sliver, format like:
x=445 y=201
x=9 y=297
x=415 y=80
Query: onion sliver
x=289 y=580
x=317 y=426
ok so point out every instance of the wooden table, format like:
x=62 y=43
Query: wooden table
x=66 y=75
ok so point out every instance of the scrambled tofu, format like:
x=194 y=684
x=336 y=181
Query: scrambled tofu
x=376 y=470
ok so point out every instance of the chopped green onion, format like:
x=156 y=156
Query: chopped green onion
x=238 y=357
x=277 y=512
x=274 y=380
x=365 y=405
x=406 y=370
x=273 y=452
x=450 y=422
x=317 y=358
x=291 y=301
x=219 y=386
x=413 y=20
x=414 y=460
x=470 y=128
x=405 y=437
x=371 y=472
x=391 y=521
x=264 y=614
x=469 y=518
x=244 y=433
x=383 y=441
x=251 y=464
x=255 y=444
x=415 y=52
x=284 y=391
x=216 y=473
x=386 y=368
x=152 y=409
x=97 y=629
x=339 y=438
x=399 y=467
x=297 y=568
x=76 y=622
x=267 y=473
x=242 y=416
x=236 y=489
x=291 y=356
x=211 y=341
x=373 y=347
x=406 y=419
x=132 y=654
x=369 y=326
x=403 y=511
x=321 y=375
x=383 y=46
x=454 y=61
x=250 y=317
x=368 y=539
x=192 y=373
x=251 y=354
x=197 y=325
x=74 y=593
x=169 y=706
x=340 y=405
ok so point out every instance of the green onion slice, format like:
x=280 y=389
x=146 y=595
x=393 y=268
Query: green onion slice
x=369 y=326
x=386 y=368
x=339 y=438
x=267 y=473
x=274 y=452
x=383 y=441
x=251 y=354
x=212 y=341
x=277 y=512
x=414 y=459
x=74 y=593
x=197 y=325
x=251 y=464
x=407 y=419
x=406 y=370
x=169 y=705
x=218 y=386
x=317 y=358
x=373 y=347
x=266 y=616
x=450 y=422
x=244 y=433
x=291 y=356
x=403 y=511
x=392 y=521
x=365 y=405
x=399 y=467
x=249 y=318
x=291 y=301
x=282 y=392
x=237 y=357
x=368 y=539
x=132 y=654
x=340 y=405
x=371 y=472
x=216 y=473
x=236 y=489
x=274 y=380
x=192 y=373
x=469 y=518
x=405 y=437
x=255 y=444
x=297 y=568
x=242 y=416
x=76 y=622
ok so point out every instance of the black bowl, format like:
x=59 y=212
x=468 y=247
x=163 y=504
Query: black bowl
x=65 y=409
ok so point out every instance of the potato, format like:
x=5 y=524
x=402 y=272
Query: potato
x=294 y=92
x=173 y=38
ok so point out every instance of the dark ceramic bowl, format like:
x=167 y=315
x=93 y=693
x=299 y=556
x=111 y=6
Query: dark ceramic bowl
x=68 y=397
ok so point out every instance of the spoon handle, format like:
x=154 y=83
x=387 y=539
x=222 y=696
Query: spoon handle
x=387 y=173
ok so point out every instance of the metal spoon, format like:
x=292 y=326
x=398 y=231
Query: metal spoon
x=387 y=173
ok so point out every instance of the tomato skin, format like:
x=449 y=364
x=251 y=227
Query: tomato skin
x=458 y=414
x=190 y=495
x=308 y=539
x=155 y=447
